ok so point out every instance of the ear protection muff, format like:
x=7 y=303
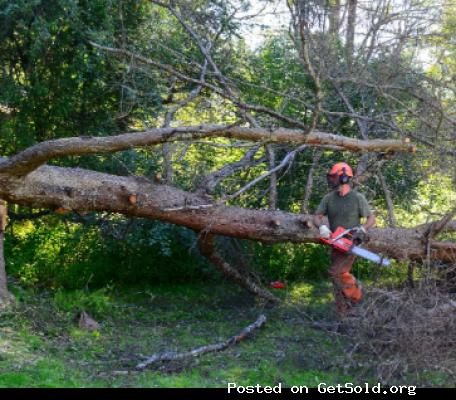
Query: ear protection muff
x=344 y=178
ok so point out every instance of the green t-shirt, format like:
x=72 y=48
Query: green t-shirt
x=345 y=210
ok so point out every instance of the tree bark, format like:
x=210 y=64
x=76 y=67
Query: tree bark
x=84 y=190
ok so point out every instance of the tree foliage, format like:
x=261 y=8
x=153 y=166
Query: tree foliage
x=99 y=68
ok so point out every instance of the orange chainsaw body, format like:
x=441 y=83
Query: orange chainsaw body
x=343 y=244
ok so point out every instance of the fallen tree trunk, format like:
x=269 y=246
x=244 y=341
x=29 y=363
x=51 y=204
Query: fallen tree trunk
x=84 y=190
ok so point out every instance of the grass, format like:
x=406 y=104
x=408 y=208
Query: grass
x=42 y=346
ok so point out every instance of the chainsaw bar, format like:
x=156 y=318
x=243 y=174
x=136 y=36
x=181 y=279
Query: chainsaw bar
x=368 y=255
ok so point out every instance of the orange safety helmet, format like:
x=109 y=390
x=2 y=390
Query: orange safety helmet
x=340 y=174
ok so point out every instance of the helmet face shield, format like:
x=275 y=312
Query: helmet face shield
x=333 y=180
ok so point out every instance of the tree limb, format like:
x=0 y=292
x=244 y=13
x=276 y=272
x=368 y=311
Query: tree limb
x=172 y=356
x=389 y=202
x=35 y=156
x=207 y=247
x=211 y=180
x=309 y=184
x=436 y=227
x=288 y=159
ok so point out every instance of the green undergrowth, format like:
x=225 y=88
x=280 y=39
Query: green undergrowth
x=41 y=344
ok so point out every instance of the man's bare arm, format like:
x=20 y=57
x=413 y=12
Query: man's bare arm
x=318 y=220
x=370 y=221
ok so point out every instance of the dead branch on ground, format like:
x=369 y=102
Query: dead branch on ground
x=173 y=356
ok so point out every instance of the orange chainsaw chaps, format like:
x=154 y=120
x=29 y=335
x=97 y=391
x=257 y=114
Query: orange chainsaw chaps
x=350 y=287
x=346 y=288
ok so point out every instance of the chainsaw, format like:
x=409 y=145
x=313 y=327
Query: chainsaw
x=342 y=239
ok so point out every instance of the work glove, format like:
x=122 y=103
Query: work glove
x=325 y=232
x=359 y=234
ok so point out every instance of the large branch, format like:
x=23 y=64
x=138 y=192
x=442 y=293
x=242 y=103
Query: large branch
x=35 y=156
x=83 y=190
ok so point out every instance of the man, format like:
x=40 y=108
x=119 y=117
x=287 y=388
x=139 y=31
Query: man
x=344 y=207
